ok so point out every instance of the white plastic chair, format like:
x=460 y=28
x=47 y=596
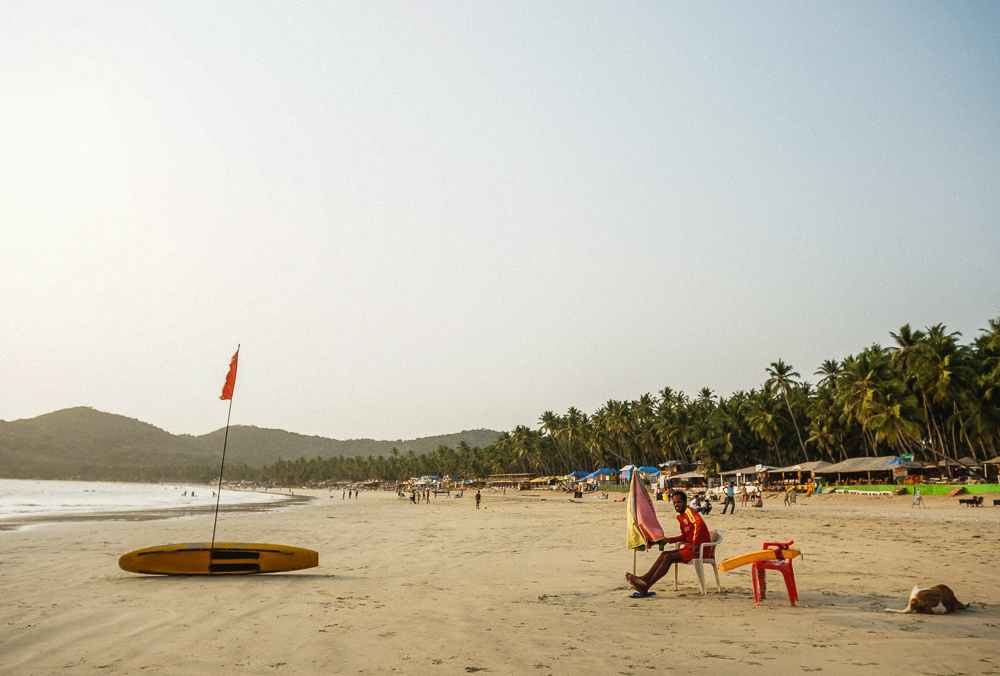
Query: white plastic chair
x=699 y=563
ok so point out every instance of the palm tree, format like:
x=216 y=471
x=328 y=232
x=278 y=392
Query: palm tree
x=781 y=377
x=552 y=425
x=764 y=423
x=829 y=370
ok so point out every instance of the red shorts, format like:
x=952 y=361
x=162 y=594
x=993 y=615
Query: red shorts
x=689 y=553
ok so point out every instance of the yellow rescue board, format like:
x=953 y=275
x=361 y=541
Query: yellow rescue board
x=762 y=555
x=225 y=558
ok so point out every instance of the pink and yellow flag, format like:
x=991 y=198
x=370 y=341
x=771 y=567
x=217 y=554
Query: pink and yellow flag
x=643 y=527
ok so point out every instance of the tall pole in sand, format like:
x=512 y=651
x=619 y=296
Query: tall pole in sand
x=227 y=393
x=218 y=494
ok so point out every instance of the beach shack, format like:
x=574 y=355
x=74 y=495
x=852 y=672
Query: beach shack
x=648 y=473
x=991 y=468
x=672 y=467
x=515 y=481
x=746 y=475
x=885 y=469
x=625 y=474
x=689 y=479
x=796 y=475
x=974 y=470
x=602 y=477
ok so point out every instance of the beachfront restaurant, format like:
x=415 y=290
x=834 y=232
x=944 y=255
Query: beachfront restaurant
x=543 y=482
x=747 y=475
x=515 y=481
x=687 y=479
x=882 y=470
x=991 y=468
x=672 y=467
x=973 y=469
x=797 y=474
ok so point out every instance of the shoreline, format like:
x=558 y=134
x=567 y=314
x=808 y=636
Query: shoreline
x=17 y=523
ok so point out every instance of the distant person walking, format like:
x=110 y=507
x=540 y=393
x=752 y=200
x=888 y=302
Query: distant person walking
x=744 y=496
x=730 y=499
x=478 y=498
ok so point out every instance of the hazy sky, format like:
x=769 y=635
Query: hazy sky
x=422 y=217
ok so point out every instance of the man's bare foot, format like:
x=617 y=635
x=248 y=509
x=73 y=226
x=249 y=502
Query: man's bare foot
x=637 y=583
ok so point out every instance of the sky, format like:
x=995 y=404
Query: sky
x=417 y=218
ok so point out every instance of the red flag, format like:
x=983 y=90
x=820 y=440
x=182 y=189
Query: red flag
x=227 y=389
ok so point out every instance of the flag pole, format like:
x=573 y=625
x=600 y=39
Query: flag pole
x=631 y=498
x=218 y=495
x=225 y=441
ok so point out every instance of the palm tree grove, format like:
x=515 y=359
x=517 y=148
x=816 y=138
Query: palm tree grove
x=927 y=393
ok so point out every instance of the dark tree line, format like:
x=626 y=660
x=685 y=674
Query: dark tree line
x=926 y=394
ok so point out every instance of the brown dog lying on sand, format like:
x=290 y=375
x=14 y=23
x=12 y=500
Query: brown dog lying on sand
x=934 y=601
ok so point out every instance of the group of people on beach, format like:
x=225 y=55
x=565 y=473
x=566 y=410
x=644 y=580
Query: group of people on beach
x=425 y=494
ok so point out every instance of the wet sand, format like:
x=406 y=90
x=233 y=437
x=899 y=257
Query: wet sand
x=268 y=501
x=526 y=585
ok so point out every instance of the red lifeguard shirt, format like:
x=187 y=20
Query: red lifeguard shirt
x=693 y=533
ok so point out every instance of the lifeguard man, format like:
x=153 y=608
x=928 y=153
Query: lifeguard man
x=694 y=533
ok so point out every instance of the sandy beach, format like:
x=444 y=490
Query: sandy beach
x=526 y=585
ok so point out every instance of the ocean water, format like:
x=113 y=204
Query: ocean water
x=25 y=498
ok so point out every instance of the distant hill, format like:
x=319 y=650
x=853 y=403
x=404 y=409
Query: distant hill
x=85 y=443
x=257 y=446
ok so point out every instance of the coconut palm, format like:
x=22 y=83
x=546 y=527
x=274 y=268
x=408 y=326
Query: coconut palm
x=781 y=378
x=829 y=370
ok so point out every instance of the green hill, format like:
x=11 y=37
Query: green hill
x=257 y=446
x=85 y=443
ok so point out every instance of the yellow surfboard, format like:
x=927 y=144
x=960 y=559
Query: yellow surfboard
x=762 y=555
x=225 y=558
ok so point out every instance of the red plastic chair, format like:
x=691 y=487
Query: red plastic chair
x=783 y=566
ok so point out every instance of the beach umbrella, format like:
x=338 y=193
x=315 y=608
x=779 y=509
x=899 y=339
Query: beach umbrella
x=643 y=528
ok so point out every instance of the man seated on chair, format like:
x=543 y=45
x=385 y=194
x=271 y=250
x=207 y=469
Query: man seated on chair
x=693 y=533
